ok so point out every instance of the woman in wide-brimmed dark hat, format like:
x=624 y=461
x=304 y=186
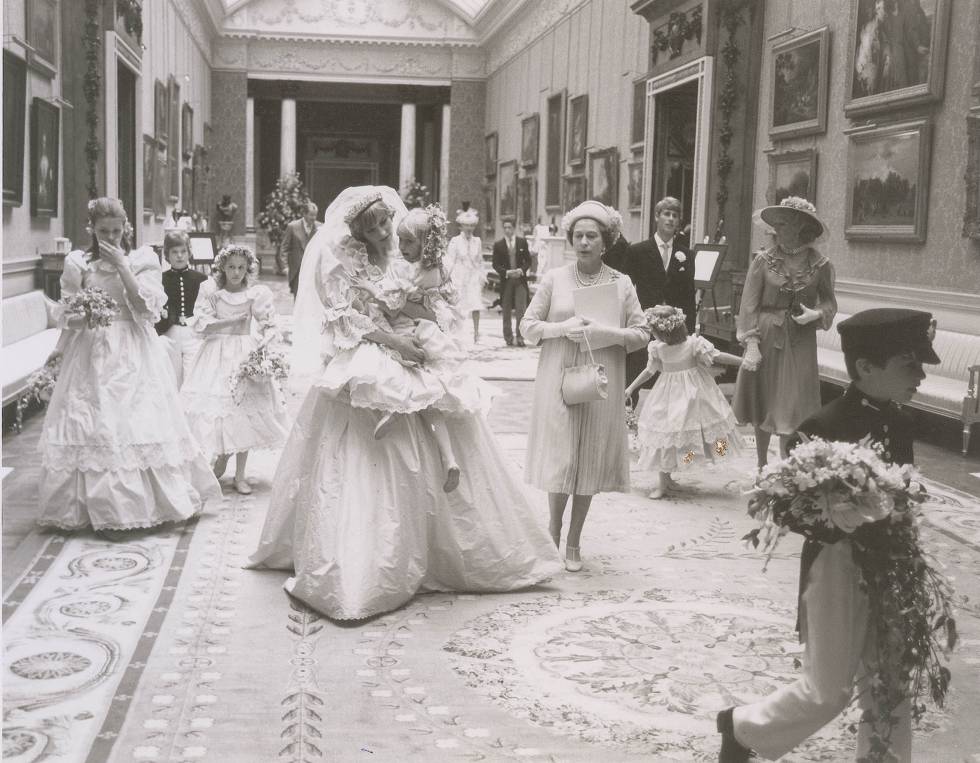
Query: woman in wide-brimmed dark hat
x=788 y=295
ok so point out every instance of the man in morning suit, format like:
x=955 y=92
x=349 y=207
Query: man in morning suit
x=182 y=285
x=884 y=350
x=512 y=261
x=662 y=270
x=294 y=240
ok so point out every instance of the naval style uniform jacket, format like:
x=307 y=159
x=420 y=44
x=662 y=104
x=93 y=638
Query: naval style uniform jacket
x=181 y=287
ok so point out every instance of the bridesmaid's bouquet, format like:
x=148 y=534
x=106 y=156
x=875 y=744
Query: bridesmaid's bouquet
x=829 y=491
x=261 y=363
x=40 y=385
x=94 y=304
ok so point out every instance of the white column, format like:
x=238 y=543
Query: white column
x=406 y=162
x=287 y=140
x=444 y=160
x=249 y=162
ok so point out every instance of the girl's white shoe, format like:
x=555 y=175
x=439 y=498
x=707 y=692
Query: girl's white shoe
x=573 y=559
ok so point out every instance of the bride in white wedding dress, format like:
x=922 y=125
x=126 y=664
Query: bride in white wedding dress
x=365 y=523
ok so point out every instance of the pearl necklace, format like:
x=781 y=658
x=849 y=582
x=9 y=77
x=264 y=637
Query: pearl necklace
x=590 y=279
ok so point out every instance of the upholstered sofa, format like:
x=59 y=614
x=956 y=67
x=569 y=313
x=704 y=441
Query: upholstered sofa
x=950 y=389
x=29 y=336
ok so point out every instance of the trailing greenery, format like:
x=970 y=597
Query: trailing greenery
x=286 y=203
x=92 y=90
x=731 y=20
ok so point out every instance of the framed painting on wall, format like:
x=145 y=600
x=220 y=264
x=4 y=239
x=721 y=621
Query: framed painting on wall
x=507 y=179
x=896 y=54
x=573 y=191
x=187 y=189
x=798 y=85
x=173 y=127
x=14 y=116
x=527 y=191
x=45 y=135
x=490 y=154
x=530 y=131
x=792 y=173
x=489 y=209
x=149 y=172
x=888 y=182
x=553 y=150
x=604 y=176
x=160 y=182
x=160 y=112
x=41 y=18
x=634 y=186
x=186 y=130
x=638 y=125
x=578 y=129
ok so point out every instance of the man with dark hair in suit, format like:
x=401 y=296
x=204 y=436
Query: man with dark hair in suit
x=297 y=235
x=662 y=270
x=512 y=261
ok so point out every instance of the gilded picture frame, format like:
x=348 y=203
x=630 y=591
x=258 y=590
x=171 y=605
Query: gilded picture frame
x=798 y=82
x=604 y=176
x=45 y=150
x=530 y=134
x=578 y=130
x=507 y=188
x=490 y=154
x=792 y=173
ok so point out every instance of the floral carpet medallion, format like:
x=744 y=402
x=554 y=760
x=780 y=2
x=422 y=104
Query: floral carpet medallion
x=637 y=672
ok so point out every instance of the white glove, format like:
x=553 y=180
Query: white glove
x=809 y=315
x=752 y=357
x=571 y=327
x=601 y=336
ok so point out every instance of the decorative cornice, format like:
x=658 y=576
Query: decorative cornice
x=423 y=22
x=344 y=60
x=198 y=23
x=526 y=23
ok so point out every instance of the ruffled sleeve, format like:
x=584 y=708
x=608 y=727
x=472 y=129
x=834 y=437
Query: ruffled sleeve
x=343 y=326
x=704 y=352
x=826 y=294
x=264 y=312
x=534 y=326
x=146 y=269
x=205 y=310
x=747 y=323
x=654 y=363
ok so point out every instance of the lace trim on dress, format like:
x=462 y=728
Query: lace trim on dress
x=134 y=526
x=724 y=429
x=108 y=458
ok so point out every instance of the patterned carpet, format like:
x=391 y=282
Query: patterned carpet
x=163 y=648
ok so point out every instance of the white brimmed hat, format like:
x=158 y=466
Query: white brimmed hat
x=796 y=204
x=467 y=217
x=606 y=216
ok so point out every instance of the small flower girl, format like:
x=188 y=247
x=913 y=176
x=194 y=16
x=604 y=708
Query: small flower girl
x=419 y=300
x=116 y=449
x=685 y=414
x=227 y=423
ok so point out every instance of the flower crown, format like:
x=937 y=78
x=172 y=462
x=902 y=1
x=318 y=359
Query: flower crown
x=236 y=250
x=434 y=246
x=798 y=202
x=664 y=322
x=360 y=205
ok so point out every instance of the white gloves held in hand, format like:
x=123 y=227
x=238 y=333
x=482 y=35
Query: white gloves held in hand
x=752 y=357
x=809 y=315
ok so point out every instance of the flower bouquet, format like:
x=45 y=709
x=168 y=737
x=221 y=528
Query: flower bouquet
x=40 y=385
x=829 y=491
x=260 y=363
x=93 y=304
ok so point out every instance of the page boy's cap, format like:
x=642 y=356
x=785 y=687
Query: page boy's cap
x=893 y=329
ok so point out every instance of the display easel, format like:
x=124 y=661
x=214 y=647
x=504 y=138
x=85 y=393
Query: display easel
x=708 y=259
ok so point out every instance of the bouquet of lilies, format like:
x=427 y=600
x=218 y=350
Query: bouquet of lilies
x=261 y=362
x=829 y=491
x=92 y=303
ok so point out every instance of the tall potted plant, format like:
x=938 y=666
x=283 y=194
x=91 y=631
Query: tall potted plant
x=286 y=203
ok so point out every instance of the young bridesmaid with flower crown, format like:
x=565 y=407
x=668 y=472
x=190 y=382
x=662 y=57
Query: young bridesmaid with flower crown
x=116 y=451
x=228 y=421
x=685 y=415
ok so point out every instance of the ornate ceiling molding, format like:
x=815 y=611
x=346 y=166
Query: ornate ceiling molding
x=422 y=22
x=198 y=23
x=342 y=61
x=522 y=26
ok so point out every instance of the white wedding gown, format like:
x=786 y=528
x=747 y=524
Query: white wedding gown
x=364 y=524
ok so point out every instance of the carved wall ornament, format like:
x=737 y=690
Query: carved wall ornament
x=672 y=35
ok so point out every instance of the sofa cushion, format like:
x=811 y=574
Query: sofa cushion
x=24 y=315
x=22 y=359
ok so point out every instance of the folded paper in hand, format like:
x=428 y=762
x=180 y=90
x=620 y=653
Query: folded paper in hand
x=599 y=304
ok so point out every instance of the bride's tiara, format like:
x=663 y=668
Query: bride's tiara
x=360 y=205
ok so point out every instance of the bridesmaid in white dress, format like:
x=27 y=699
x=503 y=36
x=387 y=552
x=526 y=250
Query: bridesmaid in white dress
x=116 y=451
x=464 y=259
x=364 y=523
